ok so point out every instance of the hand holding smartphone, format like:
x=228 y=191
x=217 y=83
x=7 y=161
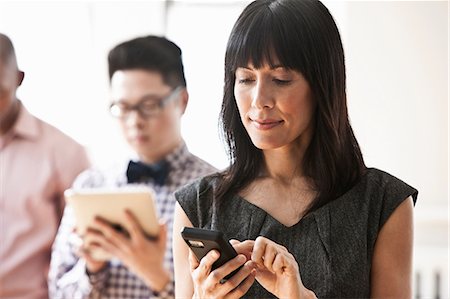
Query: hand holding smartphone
x=201 y=241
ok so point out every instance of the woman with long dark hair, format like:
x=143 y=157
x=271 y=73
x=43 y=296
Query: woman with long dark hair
x=308 y=217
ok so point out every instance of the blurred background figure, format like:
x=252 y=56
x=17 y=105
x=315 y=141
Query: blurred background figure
x=149 y=98
x=37 y=163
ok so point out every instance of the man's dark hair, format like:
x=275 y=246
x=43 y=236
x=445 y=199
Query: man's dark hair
x=7 y=53
x=150 y=53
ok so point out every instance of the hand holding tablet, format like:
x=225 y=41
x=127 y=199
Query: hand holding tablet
x=110 y=205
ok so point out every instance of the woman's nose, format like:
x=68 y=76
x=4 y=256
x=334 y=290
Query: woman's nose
x=262 y=95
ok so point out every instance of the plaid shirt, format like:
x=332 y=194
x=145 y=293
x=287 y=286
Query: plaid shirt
x=68 y=277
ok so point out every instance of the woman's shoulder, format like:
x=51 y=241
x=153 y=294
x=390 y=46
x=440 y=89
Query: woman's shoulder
x=197 y=198
x=200 y=185
x=387 y=185
x=375 y=197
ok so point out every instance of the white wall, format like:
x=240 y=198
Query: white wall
x=397 y=86
x=203 y=36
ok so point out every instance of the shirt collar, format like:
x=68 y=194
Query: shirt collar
x=176 y=158
x=27 y=125
x=177 y=155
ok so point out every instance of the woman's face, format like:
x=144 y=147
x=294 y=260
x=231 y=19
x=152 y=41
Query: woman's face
x=276 y=106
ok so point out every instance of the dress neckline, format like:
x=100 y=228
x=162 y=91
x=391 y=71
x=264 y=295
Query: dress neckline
x=317 y=212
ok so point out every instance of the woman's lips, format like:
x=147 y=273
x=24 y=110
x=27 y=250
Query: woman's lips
x=265 y=124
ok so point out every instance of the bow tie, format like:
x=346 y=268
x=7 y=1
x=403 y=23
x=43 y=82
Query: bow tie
x=138 y=172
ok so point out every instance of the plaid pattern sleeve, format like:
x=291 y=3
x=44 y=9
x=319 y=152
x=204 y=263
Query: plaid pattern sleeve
x=68 y=277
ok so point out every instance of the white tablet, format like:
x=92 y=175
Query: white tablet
x=110 y=204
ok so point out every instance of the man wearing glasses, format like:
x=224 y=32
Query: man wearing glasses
x=149 y=97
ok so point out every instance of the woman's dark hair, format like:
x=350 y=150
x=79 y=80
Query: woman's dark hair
x=150 y=53
x=302 y=36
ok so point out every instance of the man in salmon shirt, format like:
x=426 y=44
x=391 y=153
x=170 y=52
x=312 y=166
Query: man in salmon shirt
x=37 y=163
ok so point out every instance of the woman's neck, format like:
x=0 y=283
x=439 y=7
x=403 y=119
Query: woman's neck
x=284 y=164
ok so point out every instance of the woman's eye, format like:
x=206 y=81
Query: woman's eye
x=281 y=82
x=244 y=81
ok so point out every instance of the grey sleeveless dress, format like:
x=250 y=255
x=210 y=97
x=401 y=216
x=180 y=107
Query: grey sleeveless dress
x=333 y=245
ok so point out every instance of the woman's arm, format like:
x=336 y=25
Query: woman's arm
x=391 y=274
x=183 y=281
x=193 y=277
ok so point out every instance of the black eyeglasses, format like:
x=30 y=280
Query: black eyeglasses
x=146 y=108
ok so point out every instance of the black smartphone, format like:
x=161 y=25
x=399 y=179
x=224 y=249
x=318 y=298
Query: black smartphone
x=201 y=241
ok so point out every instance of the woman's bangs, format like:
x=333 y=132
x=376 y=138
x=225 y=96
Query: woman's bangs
x=263 y=44
x=254 y=44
